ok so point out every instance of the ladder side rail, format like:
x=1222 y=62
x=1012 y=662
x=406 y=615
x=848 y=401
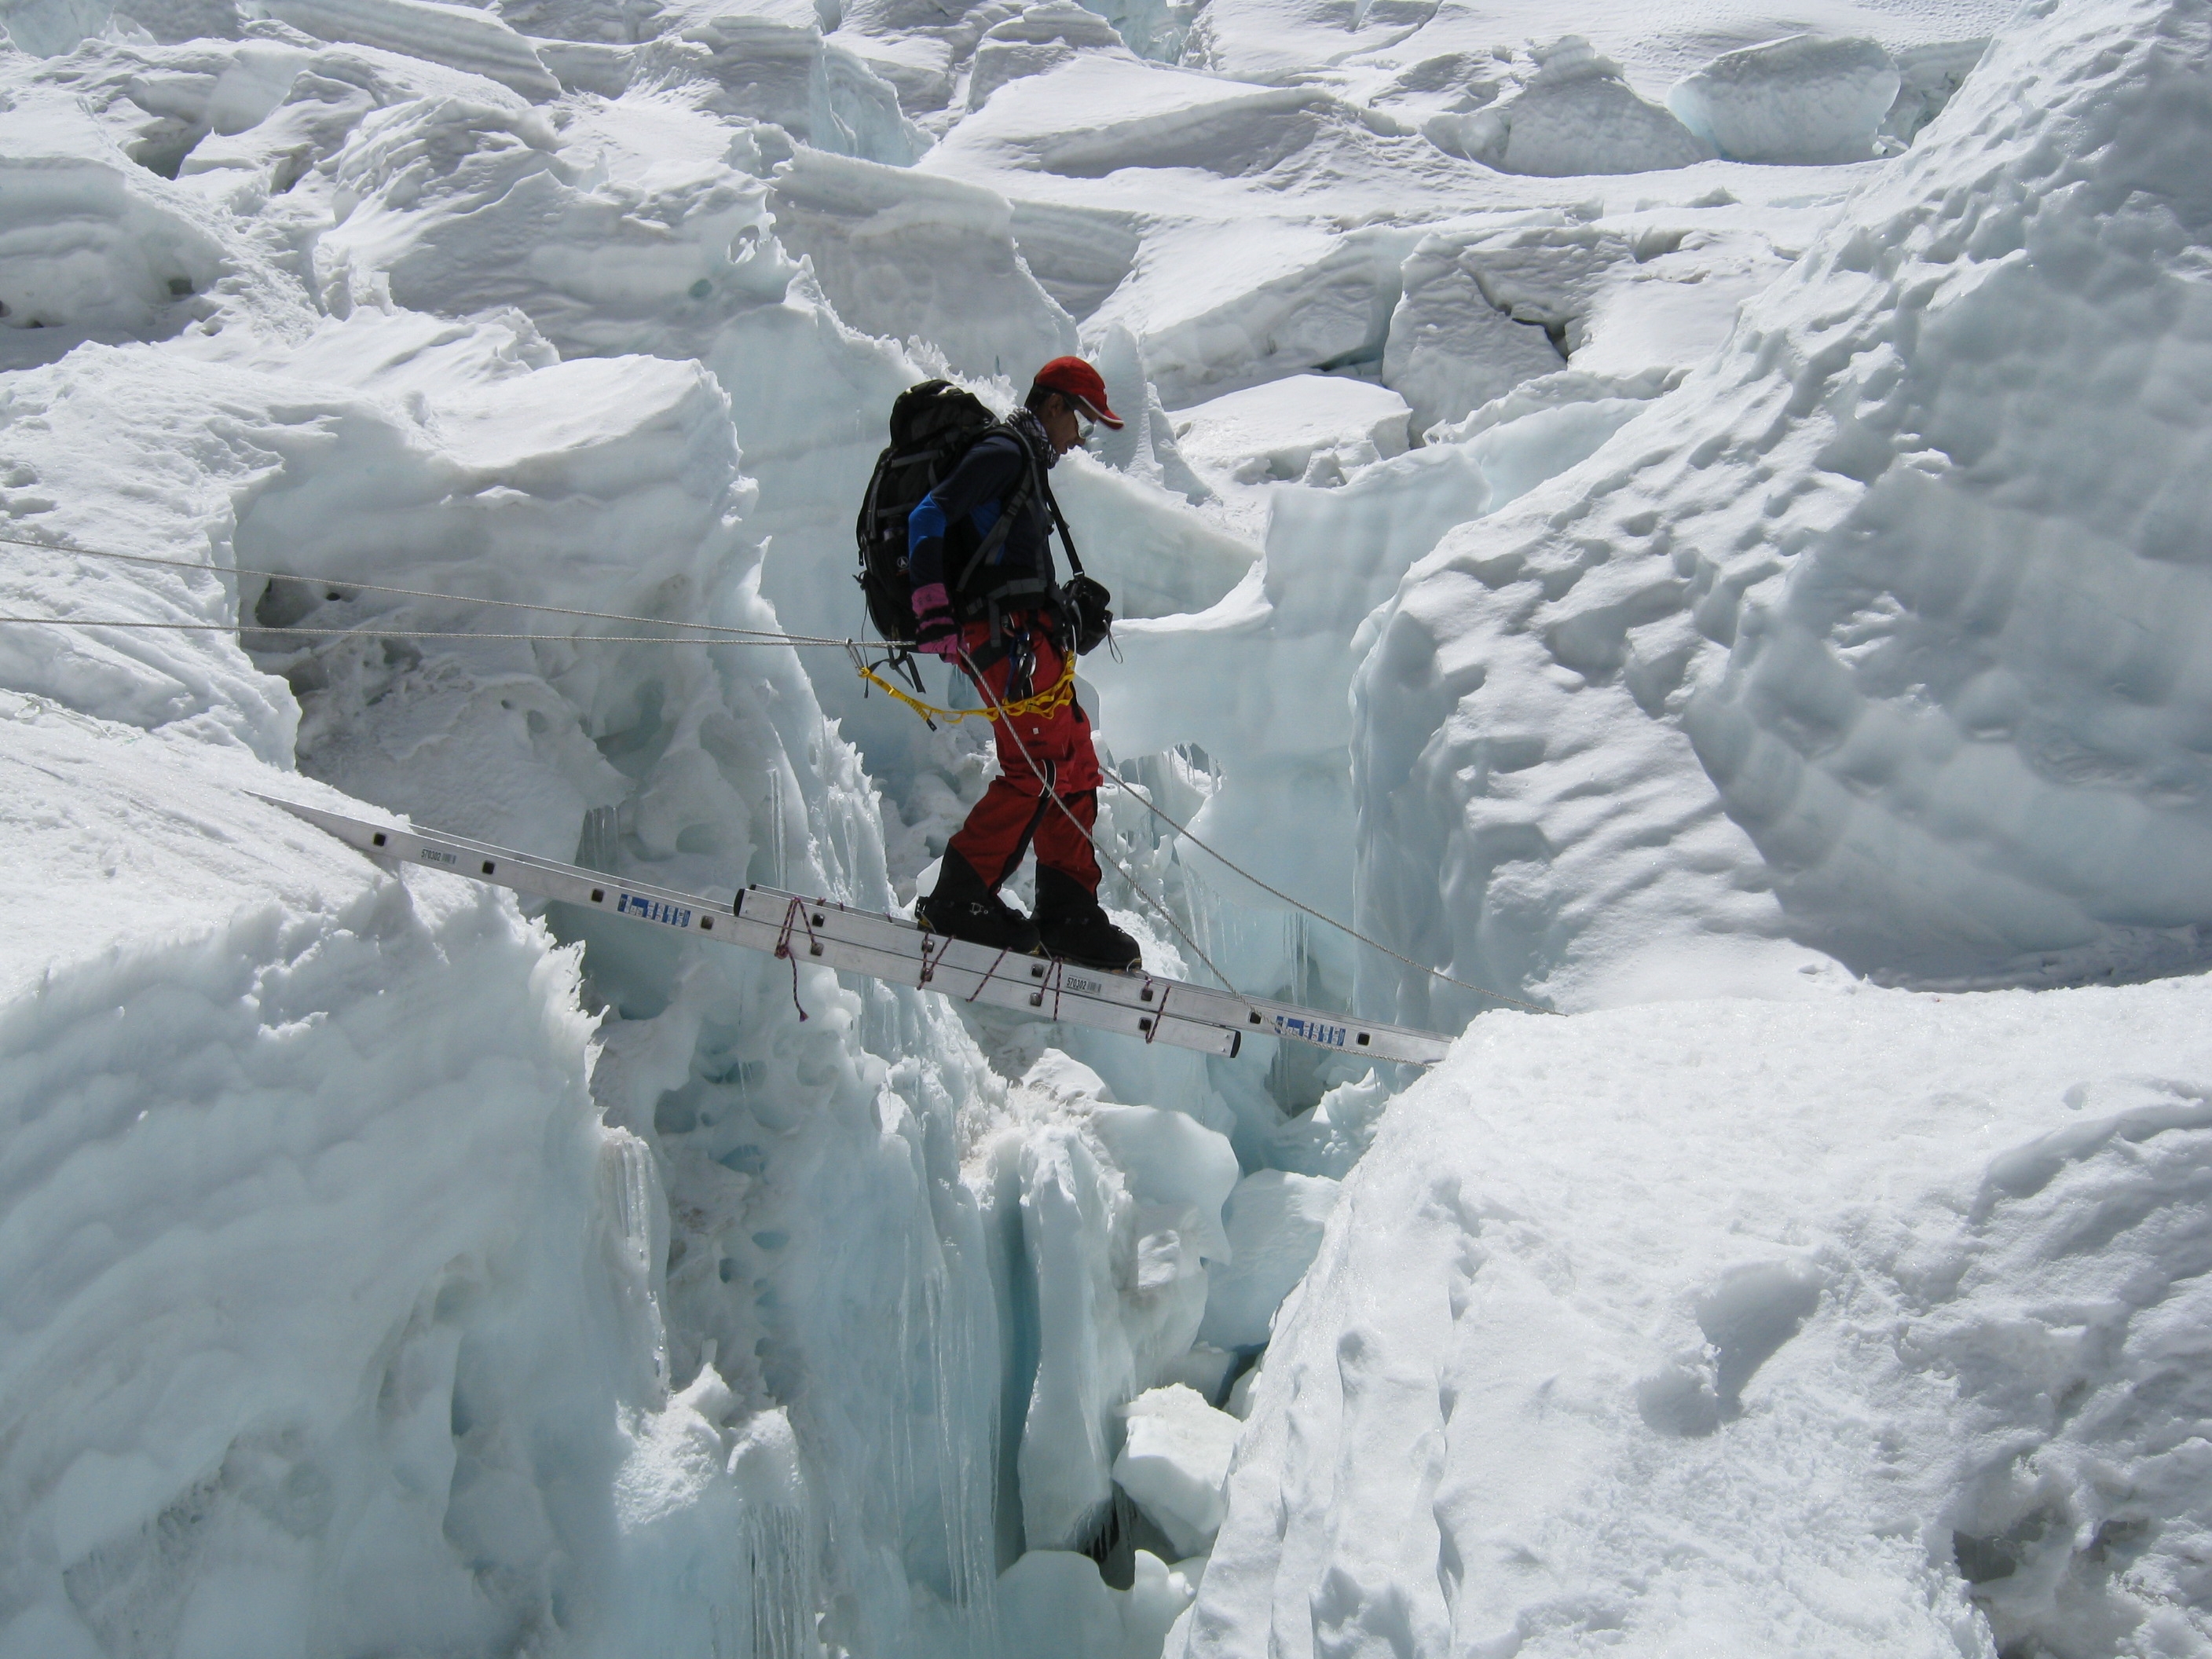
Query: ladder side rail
x=1364 y=1039
x=890 y=948
x=383 y=841
x=1344 y=1033
x=589 y=890
x=968 y=973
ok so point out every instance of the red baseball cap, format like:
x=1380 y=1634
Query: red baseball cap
x=1080 y=384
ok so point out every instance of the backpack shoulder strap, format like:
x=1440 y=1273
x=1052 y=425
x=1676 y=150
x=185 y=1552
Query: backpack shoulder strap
x=1060 y=523
x=1010 y=507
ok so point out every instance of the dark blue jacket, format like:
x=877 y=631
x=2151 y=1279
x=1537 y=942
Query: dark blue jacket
x=944 y=530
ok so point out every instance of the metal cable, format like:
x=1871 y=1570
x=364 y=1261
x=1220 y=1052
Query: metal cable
x=1051 y=795
x=763 y=634
x=1375 y=943
x=729 y=636
x=369 y=631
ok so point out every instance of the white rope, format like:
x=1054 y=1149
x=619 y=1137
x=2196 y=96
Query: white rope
x=718 y=635
x=1375 y=943
x=1009 y=726
x=371 y=631
x=767 y=636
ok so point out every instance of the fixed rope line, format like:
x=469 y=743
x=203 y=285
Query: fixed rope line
x=1045 y=703
x=1129 y=789
x=1052 y=794
x=763 y=635
x=371 y=632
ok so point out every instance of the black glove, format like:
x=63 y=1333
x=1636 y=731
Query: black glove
x=1083 y=606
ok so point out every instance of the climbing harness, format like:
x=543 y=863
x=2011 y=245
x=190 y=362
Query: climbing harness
x=1014 y=731
x=1054 y=698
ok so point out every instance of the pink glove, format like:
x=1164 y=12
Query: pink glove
x=935 y=631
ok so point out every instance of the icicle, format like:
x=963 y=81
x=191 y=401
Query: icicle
x=774 y=1554
x=636 y=1217
x=773 y=1546
x=781 y=863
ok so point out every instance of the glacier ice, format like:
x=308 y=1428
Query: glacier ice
x=1175 y=1463
x=1315 y=427
x=1042 y=38
x=1801 y=98
x=1607 y=571
x=1273 y=1221
x=1110 y=1215
x=1574 y=114
x=1865 y=501
x=900 y=256
x=461 y=37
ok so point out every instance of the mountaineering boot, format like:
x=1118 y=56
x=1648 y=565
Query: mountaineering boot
x=1074 y=929
x=961 y=907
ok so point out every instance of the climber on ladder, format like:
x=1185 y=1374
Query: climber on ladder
x=988 y=603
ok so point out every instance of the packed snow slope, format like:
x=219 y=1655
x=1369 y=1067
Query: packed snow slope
x=1884 y=633
x=1752 y=1328
x=1701 y=504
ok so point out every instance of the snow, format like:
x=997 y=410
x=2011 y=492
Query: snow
x=1273 y=1220
x=1750 y=1327
x=1574 y=115
x=1802 y=98
x=1053 y=1602
x=1302 y=425
x=1043 y=38
x=1175 y=1462
x=1685 y=515
x=460 y=37
x=90 y=245
x=1732 y=639
x=936 y=261
x=308 y=1224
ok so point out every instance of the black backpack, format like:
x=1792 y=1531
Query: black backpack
x=933 y=425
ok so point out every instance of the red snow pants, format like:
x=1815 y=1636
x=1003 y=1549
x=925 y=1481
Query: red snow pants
x=1016 y=810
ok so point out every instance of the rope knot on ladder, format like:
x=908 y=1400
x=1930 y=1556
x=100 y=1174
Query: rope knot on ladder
x=794 y=913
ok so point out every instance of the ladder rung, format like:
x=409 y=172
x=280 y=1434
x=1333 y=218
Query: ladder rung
x=888 y=948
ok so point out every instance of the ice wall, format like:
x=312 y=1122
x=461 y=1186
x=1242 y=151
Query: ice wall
x=1573 y=115
x=316 y=1279
x=770 y=1433
x=1879 y=634
x=832 y=1442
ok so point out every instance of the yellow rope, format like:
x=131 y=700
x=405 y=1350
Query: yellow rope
x=1057 y=697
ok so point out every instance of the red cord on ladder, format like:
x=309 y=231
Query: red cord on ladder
x=1153 y=1029
x=794 y=914
x=986 y=979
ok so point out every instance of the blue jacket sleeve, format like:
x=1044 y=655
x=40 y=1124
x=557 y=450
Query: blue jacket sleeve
x=972 y=492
